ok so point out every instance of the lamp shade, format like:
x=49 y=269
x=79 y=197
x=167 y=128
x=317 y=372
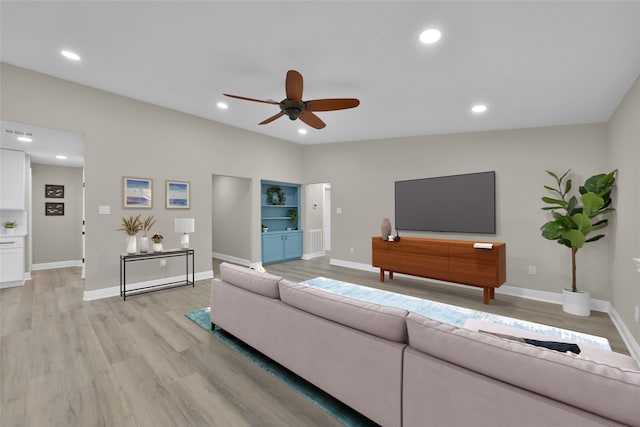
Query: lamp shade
x=185 y=225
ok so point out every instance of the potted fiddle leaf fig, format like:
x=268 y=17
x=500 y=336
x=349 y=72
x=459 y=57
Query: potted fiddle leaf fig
x=574 y=219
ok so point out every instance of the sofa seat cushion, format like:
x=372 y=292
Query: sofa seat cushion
x=608 y=391
x=378 y=320
x=260 y=283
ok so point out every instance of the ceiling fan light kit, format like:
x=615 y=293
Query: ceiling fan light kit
x=295 y=108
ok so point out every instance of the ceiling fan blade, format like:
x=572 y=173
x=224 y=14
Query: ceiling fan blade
x=272 y=118
x=312 y=120
x=294 y=85
x=251 y=99
x=332 y=104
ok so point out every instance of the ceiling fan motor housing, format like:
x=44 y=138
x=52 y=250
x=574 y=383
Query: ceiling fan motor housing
x=292 y=108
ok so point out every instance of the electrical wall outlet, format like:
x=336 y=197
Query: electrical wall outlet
x=532 y=270
x=351 y=250
x=163 y=263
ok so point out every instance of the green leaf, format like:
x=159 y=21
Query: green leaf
x=591 y=202
x=554 y=201
x=553 y=190
x=574 y=236
x=571 y=207
x=565 y=242
x=582 y=223
x=567 y=186
x=593 y=239
x=553 y=175
x=599 y=225
x=551 y=230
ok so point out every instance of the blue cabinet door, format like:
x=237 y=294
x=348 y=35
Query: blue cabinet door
x=272 y=247
x=293 y=245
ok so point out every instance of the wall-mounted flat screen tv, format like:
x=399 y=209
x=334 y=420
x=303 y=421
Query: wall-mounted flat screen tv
x=457 y=203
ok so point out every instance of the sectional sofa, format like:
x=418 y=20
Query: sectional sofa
x=402 y=369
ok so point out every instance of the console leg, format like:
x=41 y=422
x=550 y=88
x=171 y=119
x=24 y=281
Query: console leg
x=391 y=275
x=381 y=275
x=486 y=294
x=492 y=293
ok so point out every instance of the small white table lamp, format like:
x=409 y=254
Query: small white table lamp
x=185 y=226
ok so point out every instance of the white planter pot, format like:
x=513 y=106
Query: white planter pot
x=132 y=244
x=157 y=247
x=576 y=303
x=144 y=244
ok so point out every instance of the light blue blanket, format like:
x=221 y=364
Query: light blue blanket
x=450 y=314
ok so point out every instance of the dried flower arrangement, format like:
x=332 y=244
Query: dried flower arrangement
x=131 y=225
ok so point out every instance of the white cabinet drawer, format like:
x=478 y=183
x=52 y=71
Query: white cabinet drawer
x=11 y=259
x=10 y=243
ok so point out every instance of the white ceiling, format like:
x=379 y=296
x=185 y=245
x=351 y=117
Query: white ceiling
x=532 y=63
x=45 y=145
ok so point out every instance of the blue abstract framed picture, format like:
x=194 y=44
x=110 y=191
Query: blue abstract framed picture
x=178 y=194
x=137 y=192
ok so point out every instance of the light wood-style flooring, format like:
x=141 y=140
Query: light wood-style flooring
x=65 y=362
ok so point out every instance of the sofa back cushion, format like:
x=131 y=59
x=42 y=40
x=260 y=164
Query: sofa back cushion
x=374 y=319
x=260 y=283
x=602 y=389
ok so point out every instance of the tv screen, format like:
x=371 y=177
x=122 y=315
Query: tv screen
x=457 y=203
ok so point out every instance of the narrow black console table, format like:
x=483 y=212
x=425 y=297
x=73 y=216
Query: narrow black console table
x=171 y=253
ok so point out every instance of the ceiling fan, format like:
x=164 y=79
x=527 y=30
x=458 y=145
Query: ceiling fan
x=295 y=108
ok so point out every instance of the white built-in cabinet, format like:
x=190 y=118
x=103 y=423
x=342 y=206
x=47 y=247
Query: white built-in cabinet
x=12 y=177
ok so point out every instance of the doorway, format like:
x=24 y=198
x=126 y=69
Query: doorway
x=55 y=158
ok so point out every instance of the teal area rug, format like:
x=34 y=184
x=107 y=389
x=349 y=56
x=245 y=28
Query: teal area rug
x=450 y=314
x=326 y=402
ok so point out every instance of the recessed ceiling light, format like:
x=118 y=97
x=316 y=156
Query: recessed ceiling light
x=70 y=55
x=479 y=108
x=430 y=36
x=222 y=105
x=61 y=157
x=24 y=139
x=302 y=131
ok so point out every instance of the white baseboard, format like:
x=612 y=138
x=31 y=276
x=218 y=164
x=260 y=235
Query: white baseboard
x=114 y=291
x=235 y=260
x=313 y=255
x=625 y=333
x=12 y=284
x=59 y=264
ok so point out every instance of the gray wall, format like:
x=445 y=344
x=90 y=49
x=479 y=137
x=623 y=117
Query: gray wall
x=127 y=137
x=231 y=211
x=362 y=176
x=624 y=154
x=56 y=238
x=124 y=137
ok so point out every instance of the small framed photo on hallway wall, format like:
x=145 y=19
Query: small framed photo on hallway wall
x=53 y=191
x=54 y=209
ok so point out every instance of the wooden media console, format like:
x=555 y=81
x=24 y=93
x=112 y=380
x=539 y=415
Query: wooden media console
x=456 y=261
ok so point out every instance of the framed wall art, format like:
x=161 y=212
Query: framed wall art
x=54 y=209
x=53 y=191
x=178 y=194
x=137 y=192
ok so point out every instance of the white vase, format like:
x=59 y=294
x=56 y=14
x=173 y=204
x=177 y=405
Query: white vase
x=385 y=228
x=144 y=244
x=157 y=247
x=132 y=244
x=576 y=303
